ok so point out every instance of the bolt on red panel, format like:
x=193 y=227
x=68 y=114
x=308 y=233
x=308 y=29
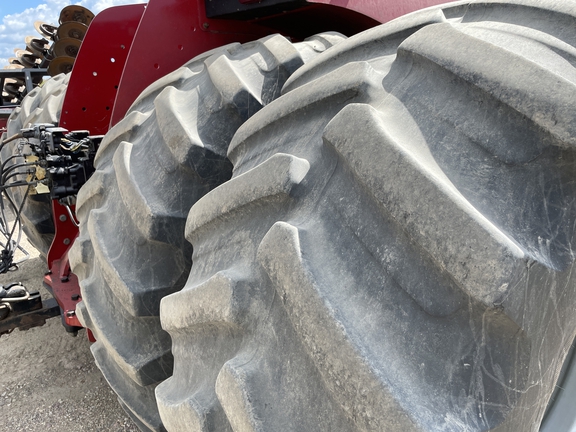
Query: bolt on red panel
x=95 y=78
x=172 y=32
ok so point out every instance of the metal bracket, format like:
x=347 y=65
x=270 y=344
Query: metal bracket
x=31 y=313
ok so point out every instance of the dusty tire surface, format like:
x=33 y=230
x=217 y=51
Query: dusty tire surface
x=169 y=151
x=41 y=105
x=394 y=250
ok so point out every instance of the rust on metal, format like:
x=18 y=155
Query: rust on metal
x=36 y=317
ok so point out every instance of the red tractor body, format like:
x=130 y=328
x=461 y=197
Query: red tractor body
x=127 y=48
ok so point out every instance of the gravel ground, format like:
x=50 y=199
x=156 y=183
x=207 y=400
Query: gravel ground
x=48 y=379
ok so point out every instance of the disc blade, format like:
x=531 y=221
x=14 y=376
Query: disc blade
x=72 y=29
x=76 y=13
x=60 y=65
x=36 y=45
x=45 y=29
x=66 y=47
x=27 y=58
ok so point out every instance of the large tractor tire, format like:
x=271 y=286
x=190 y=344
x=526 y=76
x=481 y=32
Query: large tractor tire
x=41 y=105
x=169 y=151
x=395 y=248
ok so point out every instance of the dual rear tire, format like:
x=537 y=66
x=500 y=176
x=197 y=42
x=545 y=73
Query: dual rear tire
x=385 y=246
x=168 y=152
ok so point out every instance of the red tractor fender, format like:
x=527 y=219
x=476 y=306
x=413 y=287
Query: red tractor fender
x=98 y=68
x=170 y=33
x=127 y=48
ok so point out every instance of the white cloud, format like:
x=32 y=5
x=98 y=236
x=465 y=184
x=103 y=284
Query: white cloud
x=14 y=28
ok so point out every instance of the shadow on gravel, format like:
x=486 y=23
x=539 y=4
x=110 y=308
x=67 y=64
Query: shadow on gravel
x=48 y=379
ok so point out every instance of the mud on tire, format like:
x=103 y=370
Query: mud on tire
x=394 y=250
x=41 y=105
x=168 y=152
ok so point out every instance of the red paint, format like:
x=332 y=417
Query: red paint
x=89 y=100
x=157 y=41
x=63 y=282
x=65 y=288
x=382 y=10
x=66 y=233
x=170 y=33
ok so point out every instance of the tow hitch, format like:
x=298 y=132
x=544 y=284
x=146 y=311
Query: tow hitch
x=20 y=309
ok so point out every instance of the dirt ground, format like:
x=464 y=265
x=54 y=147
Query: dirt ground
x=48 y=379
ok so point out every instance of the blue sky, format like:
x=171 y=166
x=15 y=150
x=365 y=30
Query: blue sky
x=8 y=7
x=18 y=16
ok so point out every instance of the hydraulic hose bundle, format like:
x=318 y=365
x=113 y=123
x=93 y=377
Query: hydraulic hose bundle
x=12 y=174
x=50 y=160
